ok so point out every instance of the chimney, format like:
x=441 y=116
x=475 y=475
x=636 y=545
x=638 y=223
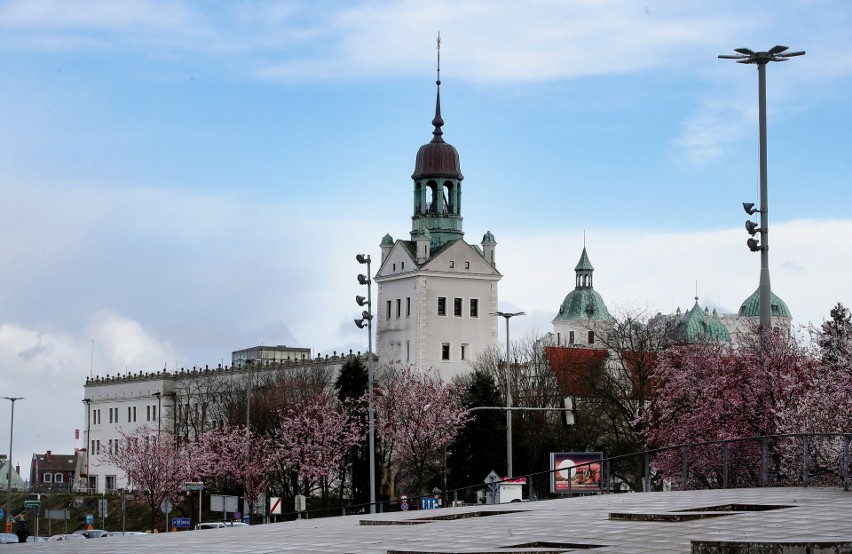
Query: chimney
x=49 y=456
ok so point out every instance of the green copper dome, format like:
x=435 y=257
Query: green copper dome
x=387 y=240
x=583 y=302
x=698 y=325
x=751 y=306
x=488 y=238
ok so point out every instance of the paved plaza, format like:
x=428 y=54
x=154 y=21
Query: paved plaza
x=622 y=523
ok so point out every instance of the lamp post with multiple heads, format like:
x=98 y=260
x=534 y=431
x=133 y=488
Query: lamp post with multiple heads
x=760 y=59
x=366 y=319
x=11 y=399
x=508 y=316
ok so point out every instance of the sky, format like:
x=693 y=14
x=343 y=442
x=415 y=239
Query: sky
x=180 y=179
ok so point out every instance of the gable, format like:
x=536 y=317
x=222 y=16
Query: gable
x=399 y=260
x=462 y=258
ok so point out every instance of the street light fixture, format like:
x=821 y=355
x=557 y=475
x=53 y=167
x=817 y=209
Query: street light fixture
x=367 y=319
x=11 y=399
x=760 y=59
x=508 y=316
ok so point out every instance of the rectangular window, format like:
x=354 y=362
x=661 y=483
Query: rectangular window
x=407 y=351
x=463 y=353
x=154 y=410
x=97 y=447
x=109 y=447
x=129 y=414
x=388 y=312
x=398 y=307
x=452 y=264
x=591 y=337
x=92 y=449
x=442 y=305
x=474 y=307
x=401 y=266
x=408 y=306
x=147 y=413
x=467 y=265
x=457 y=307
x=110 y=482
x=570 y=337
x=134 y=413
x=558 y=339
x=394 y=267
x=445 y=351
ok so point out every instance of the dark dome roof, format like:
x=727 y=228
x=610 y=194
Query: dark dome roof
x=437 y=159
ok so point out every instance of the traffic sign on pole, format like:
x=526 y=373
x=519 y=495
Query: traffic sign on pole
x=274 y=505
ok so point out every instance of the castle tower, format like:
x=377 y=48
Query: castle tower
x=435 y=291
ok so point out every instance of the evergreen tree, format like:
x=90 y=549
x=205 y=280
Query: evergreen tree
x=835 y=337
x=480 y=446
x=351 y=386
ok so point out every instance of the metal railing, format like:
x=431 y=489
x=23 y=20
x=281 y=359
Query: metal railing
x=793 y=459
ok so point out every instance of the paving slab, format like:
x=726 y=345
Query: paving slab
x=581 y=524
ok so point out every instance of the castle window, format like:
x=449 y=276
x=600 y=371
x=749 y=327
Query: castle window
x=457 y=307
x=394 y=267
x=558 y=339
x=467 y=265
x=445 y=351
x=452 y=264
x=591 y=337
x=570 y=337
x=407 y=306
x=398 y=306
x=401 y=266
x=442 y=305
x=388 y=311
x=463 y=352
x=407 y=351
x=474 y=307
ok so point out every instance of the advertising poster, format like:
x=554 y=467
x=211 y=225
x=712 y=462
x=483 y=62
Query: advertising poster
x=575 y=472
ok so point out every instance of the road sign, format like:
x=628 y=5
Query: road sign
x=2 y=513
x=32 y=503
x=102 y=507
x=180 y=522
x=237 y=515
x=403 y=506
x=90 y=519
x=193 y=486
x=274 y=505
x=428 y=503
x=166 y=506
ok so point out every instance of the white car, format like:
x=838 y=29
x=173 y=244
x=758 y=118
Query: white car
x=219 y=525
x=67 y=537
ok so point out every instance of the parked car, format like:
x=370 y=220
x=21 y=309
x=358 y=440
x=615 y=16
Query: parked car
x=33 y=538
x=125 y=533
x=92 y=533
x=67 y=537
x=8 y=538
x=219 y=525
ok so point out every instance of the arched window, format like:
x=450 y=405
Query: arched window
x=57 y=478
x=47 y=478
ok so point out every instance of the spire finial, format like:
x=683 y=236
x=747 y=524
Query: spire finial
x=438 y=122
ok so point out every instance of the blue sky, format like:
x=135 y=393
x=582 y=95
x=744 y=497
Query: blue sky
x=181 y=179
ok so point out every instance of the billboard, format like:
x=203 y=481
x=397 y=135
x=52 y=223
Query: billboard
x=575 y=472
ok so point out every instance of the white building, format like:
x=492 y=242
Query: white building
x=436 y=292
x=122 y=404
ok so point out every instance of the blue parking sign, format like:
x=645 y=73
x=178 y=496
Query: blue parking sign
x=90 y=519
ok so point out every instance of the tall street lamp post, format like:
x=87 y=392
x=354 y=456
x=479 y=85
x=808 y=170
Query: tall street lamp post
x=508 y=316
x=760 y=59
x=158 y=394
x=367 y=319
x=11 y=399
